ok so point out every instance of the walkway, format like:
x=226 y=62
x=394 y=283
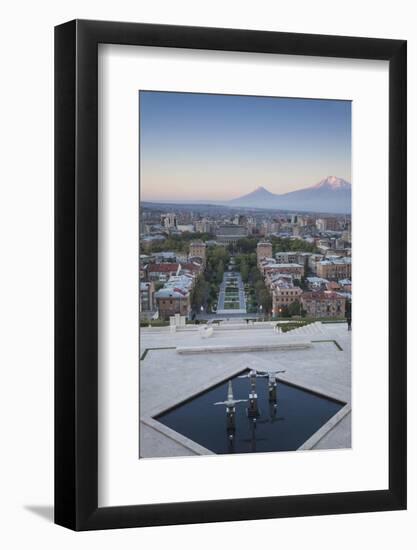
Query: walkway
x=221 y=309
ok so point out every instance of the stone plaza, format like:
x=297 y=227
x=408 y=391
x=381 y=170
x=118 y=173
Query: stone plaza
x=181 y=361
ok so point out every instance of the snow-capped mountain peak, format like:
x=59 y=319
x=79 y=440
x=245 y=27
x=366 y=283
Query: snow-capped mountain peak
x=261 y=189
x=332 y=182
x=331 y=194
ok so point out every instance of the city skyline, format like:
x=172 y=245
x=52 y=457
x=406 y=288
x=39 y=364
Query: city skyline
x=218 y=147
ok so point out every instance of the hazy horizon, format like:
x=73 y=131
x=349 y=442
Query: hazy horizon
x=203 y=147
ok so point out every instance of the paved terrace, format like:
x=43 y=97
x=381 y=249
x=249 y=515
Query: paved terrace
x=168 y=377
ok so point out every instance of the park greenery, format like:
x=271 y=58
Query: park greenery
x=200 y=293
x=257 y=293
x=231 y=305
x=217 y=259
x=280 y=244
x=206 y=288
x=293 y=309
x=231 y=300
x=178 y=243
x=291 y=325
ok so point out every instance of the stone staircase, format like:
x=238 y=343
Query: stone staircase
x=279 y=345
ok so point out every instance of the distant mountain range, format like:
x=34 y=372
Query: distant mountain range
x=329 y=195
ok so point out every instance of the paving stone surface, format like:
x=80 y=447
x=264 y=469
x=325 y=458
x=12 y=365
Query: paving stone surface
x=167 y=377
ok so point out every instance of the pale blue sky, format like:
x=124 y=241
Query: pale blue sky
x=218 y=147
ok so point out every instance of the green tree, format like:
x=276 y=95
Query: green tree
x=265 y=300
x=199 y=293
x=178 y=243
x=254 y=275
x=247 y=245
x=294 y=308
x=215 y=254
x=303 y=282
x=244 y=270
x=280 y=244
x=348 y=309
x=220 y=271
x=259 y=285
x=284 y=311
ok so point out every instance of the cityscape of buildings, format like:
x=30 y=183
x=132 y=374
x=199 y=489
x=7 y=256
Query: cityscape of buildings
x=303 y=260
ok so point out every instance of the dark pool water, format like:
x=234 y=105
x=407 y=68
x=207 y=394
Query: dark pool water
x=283 y=426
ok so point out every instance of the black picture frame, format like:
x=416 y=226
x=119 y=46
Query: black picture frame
x=76 y=272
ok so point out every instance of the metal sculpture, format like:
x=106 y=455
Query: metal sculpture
x=253 y=408
x=230 y=403
x=272 y=384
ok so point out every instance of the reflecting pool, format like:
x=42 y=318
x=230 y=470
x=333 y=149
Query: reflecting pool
x=268 y=421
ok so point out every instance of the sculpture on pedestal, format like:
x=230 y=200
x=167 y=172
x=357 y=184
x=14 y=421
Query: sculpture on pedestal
x=230 y=403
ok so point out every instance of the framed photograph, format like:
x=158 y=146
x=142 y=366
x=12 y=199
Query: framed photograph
x=230 y=252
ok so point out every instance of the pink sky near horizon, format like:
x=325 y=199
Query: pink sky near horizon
x=215 y=147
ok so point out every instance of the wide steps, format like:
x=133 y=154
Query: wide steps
x=245 y=348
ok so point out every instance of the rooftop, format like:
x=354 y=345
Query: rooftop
x=177 y=286
x=173 y=267
x=284 y=283
x=317 y=280
x=145 y=286
x=321 y=295
x=150 y=238
x=274 y=265
x=163 y=268
x=336 y=260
